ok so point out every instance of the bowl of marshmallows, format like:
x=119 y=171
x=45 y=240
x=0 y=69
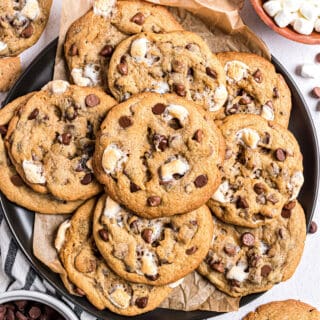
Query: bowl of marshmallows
x=297 y=20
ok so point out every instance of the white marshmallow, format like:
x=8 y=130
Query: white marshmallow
x=309 y=11
x=61 y=234
x=310 y=70
x=267 y=112
x=148 y=264
x=57 y=86
x=295 y=184
x=103 y=7
x=292 y=5
x=3 y=46
x=219 y=98
x=139 y=49
x=272 y=7
x=236 y=71
x=120 y=297
x=317 y=25
x=237 y=272
x=92 y=71
x=31 y=9
x=33 y=171
x=223 y=193
x=175 y=166
x=303 y=26
x=283 y=18
x=111 y=209
x=160 y=87
x=248 y=137
x=113 y=159
x=176 y=111
x=78 y=79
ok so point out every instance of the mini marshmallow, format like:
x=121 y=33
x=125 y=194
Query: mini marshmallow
x=283 y=18
x=295 y=184
x=111 y=208
x=61 y=234
x=316 y=25
x=267 y=112
x=309 y=11
x=176 y=111
x=310 y=70
x=272 y=7
x=238 y=272
x=57 y=86
x=219 y=98
x=113 y=159
x=175 y=166
x=148 y=264
x=33 y=171
x=78 y=78
x=139 y=49
x=31 y=9
x=103 y=7
x=303 y=26
x=160 y=87
x=120 y=297
x=236 y=71
x=3 y=46
x=248 y=137
x=92 y=72
x=292 y=5
x=224 y=193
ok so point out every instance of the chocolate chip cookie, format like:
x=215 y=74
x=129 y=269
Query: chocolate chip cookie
x=156 y=252
x=288 y=309
x=179 y=62
x=12 y=185
x=262 y=171
x=10 y=70
x=158 y=155
x=21 y=24
x=242 y=261
x=255 y=87
x=51 y=139
x=90 y=274
x=91 y=39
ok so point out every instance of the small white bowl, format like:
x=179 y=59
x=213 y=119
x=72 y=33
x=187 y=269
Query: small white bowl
x=46 y=299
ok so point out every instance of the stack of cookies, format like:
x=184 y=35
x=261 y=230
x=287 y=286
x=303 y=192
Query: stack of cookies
x=191 y=158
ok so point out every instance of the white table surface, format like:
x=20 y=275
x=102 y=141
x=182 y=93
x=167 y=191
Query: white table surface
x=305 y=284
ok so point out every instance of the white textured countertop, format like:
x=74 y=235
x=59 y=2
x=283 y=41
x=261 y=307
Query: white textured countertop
x=305 y=284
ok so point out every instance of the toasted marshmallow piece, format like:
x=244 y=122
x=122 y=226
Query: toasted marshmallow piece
x=175 y=166
x=248 y=137
x=120 y=297
x=267 y=112
x=31 y=9
x=238 y=272
x=111 y=208
x=272 y=7
x=57 y=86
x=139 y=49
x=176 y=111
x=303 y=26
x=236 y=71
x=283 y=18
x=113 y=158
x=33 y=171
x=61 y=234
x=103 y=8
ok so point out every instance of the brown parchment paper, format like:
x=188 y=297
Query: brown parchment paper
x=219 y=23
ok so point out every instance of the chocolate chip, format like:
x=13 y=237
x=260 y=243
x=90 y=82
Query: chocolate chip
x=123 y=68
x=154 y=201
x=280 y=154
x=191 y=250
x=230 y=249
x=266 y=138
x=257 y=76
x=189 y=46
x=73 y=51
x=265 y=270
x=27 y=32
x=80 y=292
x=107 y=51
x=104 y=235
x=134 y=187
x=16 y=180
x=201 y=181
x=190 y=72
x=248 y=239
x=71 y=113
x=3 y=130
x=21 y=304
x=146 y=235
x=141 y=302
x=273 y=198
x=313 y=227
x=125 y=122
x=290 y=205
x=234 y=283
x=153 y=277
x=21 y=316
x=158 y=108
x=160 y=142
x=33 y=114
x=242 y=203
x=281 y=233
x=138 y=19
x=316 y=92
x=180 y=89
x=285 y=213
x=234 y=109
x=88 y=178
x=245 y=100
x=92 y=100
x=259 y=188
x=134 y=226
x=276 y=93
x=66 y=138
x=34 y=312
x=198 y=136
x=318 y=57
x=175 y=124
x=211 y=73
x=217 y=266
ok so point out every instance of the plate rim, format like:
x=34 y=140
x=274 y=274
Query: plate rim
x=282 y=70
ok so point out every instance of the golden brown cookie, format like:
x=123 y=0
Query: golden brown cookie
x=242 y=261
x=262 y=171
x=89 y=273
x=10 y=69
x=254 y=87
x=91 y=39
x=284 y=310
x=156 y=252
x=158 y=155
x=21 y=24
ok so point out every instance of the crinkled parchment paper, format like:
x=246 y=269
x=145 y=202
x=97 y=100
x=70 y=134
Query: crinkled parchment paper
x=219 y=23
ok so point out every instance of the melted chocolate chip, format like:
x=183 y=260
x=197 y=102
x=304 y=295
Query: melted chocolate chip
x=106 y=51
x=290 y=205
x=198 y=136
x=285 y=213
x=230 y=249
x=66 y=138
x=92 y=100
x=16 y=180
x=217 y=266
x=71 y=113
x=265 y=270
x=87 y=179
x=259 y=188
x=125 y=122
x=138 y=19
x=134 y=187
x=141 y=302
x=248 y=239
x=257 y=76
x=160 y=142
x=158 y=108
x=276 y=93
x=242 y=203
x=27 y=32
x=313 y=227
x=34 y=312
x=146 y=235
x=153 y=277
x=73 y=51
x=191 y=250
x=245 y=100
x=180 y=89
x=3 y=130
x=123 y=68
x=280 y=154
x=211 y=73
x=154 y=201
x=201 y=181
x=33 y=114
x=104 y=235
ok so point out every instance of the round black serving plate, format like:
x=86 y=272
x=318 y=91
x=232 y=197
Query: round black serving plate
x=21 y=220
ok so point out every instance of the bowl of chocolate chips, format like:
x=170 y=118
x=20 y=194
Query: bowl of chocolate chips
x=32 y=305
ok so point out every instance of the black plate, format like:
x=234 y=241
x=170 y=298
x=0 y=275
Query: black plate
x=21 y=221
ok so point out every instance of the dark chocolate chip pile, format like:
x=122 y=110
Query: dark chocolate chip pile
x=28 y=310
